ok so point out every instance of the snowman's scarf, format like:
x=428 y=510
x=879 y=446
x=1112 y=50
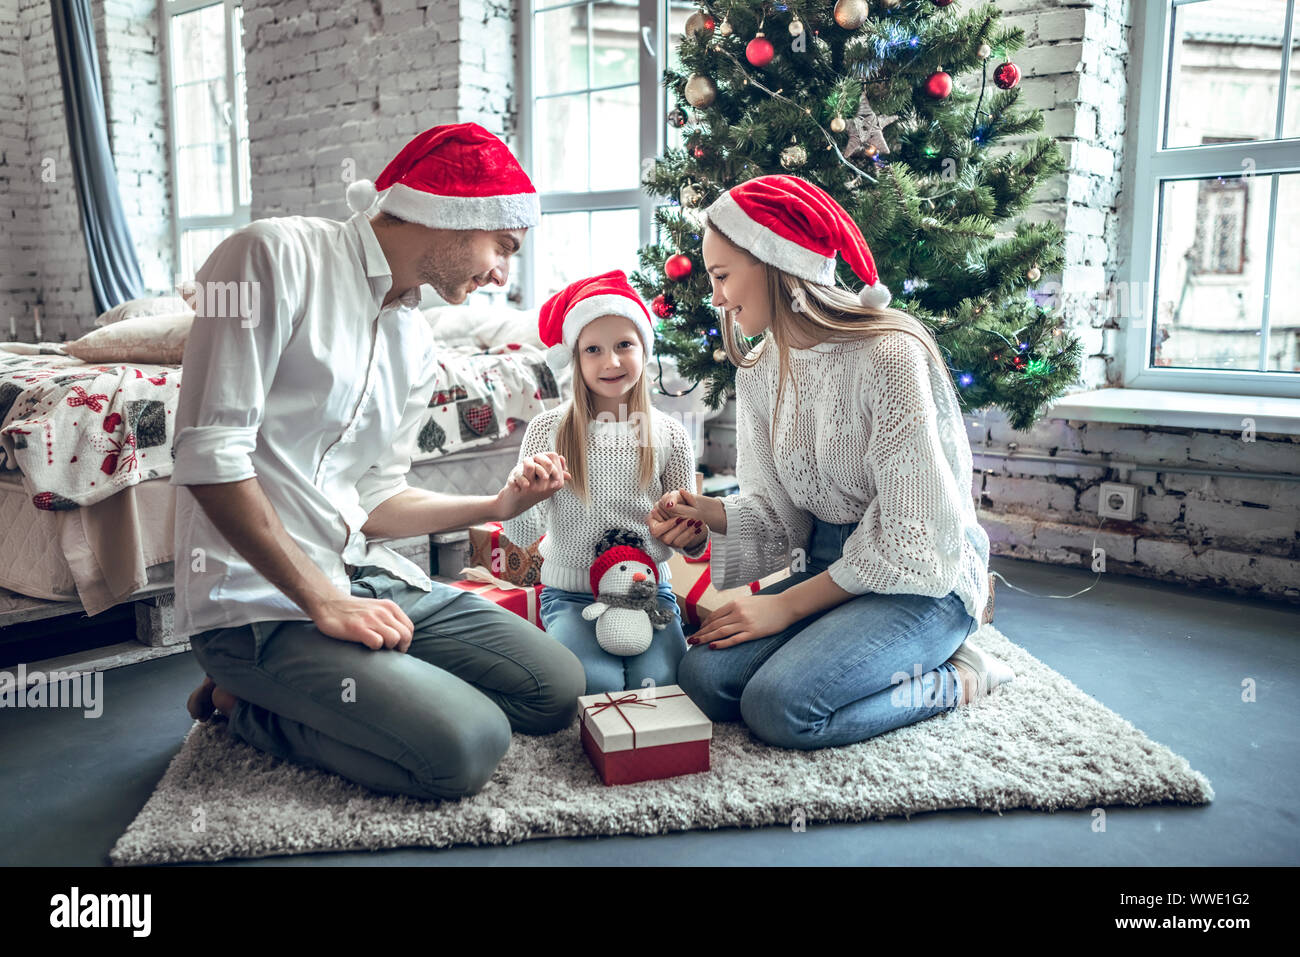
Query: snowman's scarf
x=650 y=605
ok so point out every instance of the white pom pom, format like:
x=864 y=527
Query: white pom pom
x=361 y=195
x=877 y=296
x=558 y=357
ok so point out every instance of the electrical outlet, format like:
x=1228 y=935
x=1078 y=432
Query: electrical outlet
x=1117 y=500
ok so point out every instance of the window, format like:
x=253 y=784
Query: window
x=212 y=190
x=593 y=114
x=1216 y=303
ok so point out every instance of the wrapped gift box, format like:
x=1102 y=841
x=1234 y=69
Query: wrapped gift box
x=490 y=549
x=694 y=589
x=524 y=600
x=643 y=734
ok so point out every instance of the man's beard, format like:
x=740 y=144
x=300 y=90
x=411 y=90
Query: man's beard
x=449 y=276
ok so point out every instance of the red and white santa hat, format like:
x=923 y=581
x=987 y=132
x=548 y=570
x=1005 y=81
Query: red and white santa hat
x=563 y=315
x=796 y=226
x=457 y=176
x=612 y=556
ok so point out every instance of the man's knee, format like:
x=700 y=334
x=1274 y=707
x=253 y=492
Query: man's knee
x=462 y=758
x=563 y=681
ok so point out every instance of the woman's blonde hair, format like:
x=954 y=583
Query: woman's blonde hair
x=571 y=434
x=805 y=311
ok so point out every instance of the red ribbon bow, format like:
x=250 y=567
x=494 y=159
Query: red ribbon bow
x=629 y=698
x=90 y=401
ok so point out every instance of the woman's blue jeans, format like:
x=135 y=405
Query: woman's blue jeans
x=872 y=664
x=561 y=613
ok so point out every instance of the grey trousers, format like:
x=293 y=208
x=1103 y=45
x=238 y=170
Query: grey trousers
x=433 y=722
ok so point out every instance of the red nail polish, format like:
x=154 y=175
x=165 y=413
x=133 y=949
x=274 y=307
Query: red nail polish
x=678 y=522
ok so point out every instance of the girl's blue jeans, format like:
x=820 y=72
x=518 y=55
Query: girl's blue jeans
x=561 y=612
x=872 y=664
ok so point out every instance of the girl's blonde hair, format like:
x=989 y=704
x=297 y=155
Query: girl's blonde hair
x=805 y=311
x=571 y=434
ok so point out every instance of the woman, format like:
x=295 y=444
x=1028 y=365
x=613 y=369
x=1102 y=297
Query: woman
x=856 y=477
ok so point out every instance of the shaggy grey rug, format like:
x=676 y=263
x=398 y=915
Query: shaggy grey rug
x=1038 y=743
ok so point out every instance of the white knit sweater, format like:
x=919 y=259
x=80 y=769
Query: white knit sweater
x=880 y=440
x=572 y=528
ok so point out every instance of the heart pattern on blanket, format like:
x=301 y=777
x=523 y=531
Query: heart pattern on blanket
x=477 y=419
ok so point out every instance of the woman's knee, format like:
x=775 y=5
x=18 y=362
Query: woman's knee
x=769 y=711
x=700 y=682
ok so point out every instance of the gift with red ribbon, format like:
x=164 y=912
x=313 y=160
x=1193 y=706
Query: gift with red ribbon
x=693 y=586
x=644 y=734
x=524 y=600
x=490 y=549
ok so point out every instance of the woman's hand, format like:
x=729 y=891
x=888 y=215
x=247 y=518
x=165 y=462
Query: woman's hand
x=691 y=507
x=680 y=532
x=533 y=480
x=747 y=618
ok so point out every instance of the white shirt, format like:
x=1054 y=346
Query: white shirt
x=879 y=440
x=318 y=392
x=573 y=528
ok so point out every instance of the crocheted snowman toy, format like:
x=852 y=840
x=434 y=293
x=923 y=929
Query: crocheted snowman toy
x=625 y=584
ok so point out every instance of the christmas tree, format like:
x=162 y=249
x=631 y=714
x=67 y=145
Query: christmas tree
x=861 y=100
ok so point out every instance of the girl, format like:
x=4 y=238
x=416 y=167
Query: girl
x=622 y=455
x=859 y=481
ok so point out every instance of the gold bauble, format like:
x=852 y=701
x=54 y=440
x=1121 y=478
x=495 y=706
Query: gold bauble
x=719 y=355
x=837 y=124
x=796 y=27
x=697 y=25
x=700 y=91
x=1034 y=274
x=984 y=51
x=889 y=4
x=850 y=14
x=794 y=156
x=726 y=28
x=871 y=151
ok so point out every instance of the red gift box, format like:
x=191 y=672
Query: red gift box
x=693 y=586
x=644 y=734
x=490 y=549
x=524 y=600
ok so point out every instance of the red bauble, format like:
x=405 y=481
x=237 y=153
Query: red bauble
x=698 y=151
x=759 y=51
x=942 y=3
x=939 y=85
x=678 y=267
x=1007 y=75
x=662 y=306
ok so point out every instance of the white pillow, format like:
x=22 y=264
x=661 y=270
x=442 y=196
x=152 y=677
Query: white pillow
x=155 y=339
x=145 y=306
x=485 y=325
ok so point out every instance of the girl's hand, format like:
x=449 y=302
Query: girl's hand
x=747 y=618
x=533 y=480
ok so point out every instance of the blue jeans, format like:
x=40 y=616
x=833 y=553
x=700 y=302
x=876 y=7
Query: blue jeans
x=872 y=664
x=561 y=612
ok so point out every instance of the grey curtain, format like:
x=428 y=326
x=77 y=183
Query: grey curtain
x=114 y=269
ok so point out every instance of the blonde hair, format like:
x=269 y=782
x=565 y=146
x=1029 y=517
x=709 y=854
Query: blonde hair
x=805 y=311
x=571 y=434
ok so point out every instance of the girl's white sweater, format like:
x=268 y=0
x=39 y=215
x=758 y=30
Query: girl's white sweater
x=879 y=440
x=572 y=528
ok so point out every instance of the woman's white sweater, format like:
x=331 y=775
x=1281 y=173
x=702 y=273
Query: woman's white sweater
x=879 y=440
x=572 y=528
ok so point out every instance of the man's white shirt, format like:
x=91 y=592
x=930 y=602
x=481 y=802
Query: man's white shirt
x=318 y=393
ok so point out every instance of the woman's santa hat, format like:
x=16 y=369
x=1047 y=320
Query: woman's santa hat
x=564 y=315
x=457 y=176
x=796 y=226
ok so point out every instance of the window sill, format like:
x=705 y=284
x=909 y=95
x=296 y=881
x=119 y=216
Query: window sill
x=1188 y=410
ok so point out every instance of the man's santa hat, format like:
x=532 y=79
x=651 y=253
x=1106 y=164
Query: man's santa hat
x=457 y=176
x=796 y=226
x=563 y=315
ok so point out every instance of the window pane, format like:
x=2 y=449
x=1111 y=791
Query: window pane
x=614 y=240
x=1291 y=124
x=246 y=184
x=1284 y=296
x=197 y=246
x=1210 y=272
x=560 y=144
x=203 y=180
x=198 y=45
x=563 y=250
x=1223 y=76
x=200 y=112
x=615 y=150
x=616 y=38
x=560 y=50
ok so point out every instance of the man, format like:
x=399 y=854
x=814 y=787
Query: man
x=297 y=422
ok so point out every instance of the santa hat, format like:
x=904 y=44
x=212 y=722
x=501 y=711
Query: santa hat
x=796 y=226
x=457 y=176
x=612 y=556
x=564 y=314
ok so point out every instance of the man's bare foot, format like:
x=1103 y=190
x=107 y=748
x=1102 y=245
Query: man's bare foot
x=200 y=704
x=224 y=700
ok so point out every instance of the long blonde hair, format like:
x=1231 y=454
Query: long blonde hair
x=571 y=434
x=822 y=314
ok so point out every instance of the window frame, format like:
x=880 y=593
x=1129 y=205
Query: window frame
x=241 y=214
x=1156 y=164
x=651 y=62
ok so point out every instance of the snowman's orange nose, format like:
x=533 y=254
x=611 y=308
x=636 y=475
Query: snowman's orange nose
x=639 y=577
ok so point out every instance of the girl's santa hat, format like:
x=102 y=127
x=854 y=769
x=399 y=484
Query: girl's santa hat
x=564 y=314
x=457 y=176
x=796 y=226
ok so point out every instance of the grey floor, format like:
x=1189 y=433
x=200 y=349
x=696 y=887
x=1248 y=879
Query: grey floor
x=1170 y=660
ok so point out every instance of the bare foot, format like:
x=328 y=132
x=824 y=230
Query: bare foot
x=224 y=700
x=200 y=704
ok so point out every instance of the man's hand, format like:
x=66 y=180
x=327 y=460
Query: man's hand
x=374 y=622
x=747 y=618
x=533 y=480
